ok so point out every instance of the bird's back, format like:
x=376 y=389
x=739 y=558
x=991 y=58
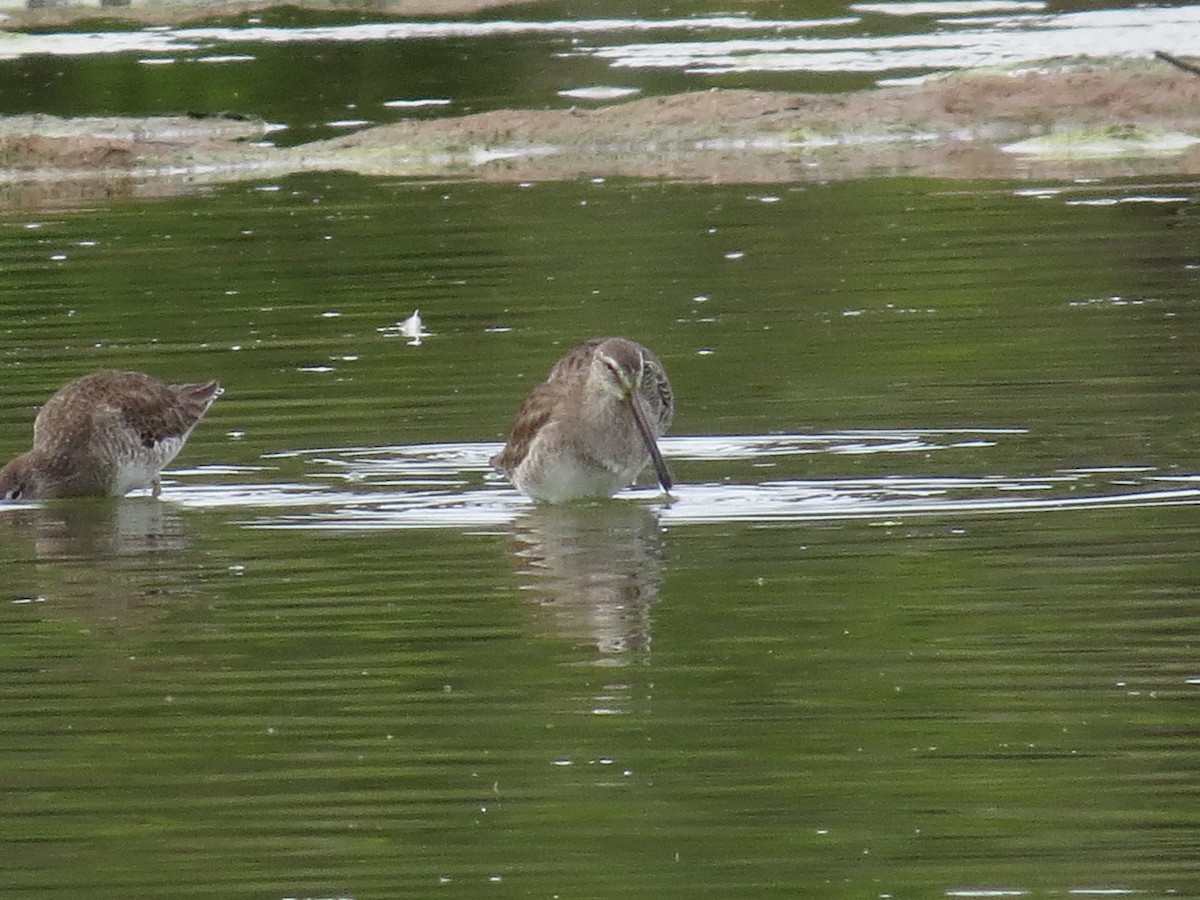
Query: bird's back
x=128 y=408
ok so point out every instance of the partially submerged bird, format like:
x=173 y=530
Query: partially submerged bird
x=592 y=426
x=106 y=434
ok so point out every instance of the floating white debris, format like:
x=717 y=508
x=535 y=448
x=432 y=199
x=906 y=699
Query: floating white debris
x=1113 y=201
x=599 y=92
x=901 y=82
x=348 y=123
x=411 y=328
x=414 y=104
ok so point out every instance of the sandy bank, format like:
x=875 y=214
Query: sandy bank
x=1058 y=119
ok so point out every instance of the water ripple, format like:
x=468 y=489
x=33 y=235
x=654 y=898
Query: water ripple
x=451 y=485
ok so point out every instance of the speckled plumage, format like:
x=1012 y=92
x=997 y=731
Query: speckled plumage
x=577 y=435
x=106 y=434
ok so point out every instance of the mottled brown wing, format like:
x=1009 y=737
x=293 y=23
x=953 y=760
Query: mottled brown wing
x=538 y=405
x=535 y=411
x=173 y=413
x=152 y=409
x=147 y=406
x=195 y=399
x=81 y=407
x=656 y=385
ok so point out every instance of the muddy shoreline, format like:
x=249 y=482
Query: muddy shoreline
x=1058 y=119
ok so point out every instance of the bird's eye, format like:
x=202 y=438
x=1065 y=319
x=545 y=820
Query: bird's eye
x=14 y=494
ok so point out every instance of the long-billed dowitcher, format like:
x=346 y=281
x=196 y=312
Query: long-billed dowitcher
x=590 y=428
x=106 y=434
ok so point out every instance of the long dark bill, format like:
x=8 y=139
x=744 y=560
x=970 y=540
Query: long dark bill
x=660 y=464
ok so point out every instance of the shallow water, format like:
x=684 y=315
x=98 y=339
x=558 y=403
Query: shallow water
x=919 y=618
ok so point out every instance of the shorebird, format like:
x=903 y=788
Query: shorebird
x=106 y=434
x=590 y=428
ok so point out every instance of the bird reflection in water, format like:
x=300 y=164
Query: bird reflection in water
x=98 y=527
x=97 y=559
x=594 y=572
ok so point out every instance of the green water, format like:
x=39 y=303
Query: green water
x=338 y=659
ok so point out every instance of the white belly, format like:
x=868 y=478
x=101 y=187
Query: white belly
x=142 y=469
x=566 y=477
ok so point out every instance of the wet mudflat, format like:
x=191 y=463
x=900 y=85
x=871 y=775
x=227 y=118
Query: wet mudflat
x=918 y=620
x=1051 y=119
x=948 y=90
